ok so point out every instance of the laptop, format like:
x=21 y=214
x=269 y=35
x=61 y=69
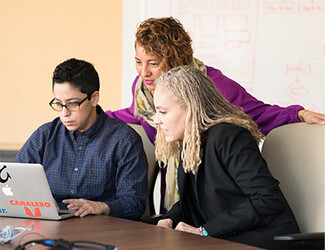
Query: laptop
x=25 y=192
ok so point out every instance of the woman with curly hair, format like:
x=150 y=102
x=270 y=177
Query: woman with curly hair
x=162 y=44
x=226 y=190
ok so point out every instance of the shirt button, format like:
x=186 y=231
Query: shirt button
x=80 y=148
x=76 y=169
x=72 y=191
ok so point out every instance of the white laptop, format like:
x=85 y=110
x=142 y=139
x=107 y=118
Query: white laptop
x=25 y=192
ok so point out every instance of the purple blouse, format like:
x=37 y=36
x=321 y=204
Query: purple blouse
x=266 y=116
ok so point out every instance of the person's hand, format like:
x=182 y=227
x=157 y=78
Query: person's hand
x=85 y=207
x=168 y=223
x=187 y=228
x=311 y=117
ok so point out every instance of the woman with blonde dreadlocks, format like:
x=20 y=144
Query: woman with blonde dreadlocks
x=162 y=44
x=226 y=190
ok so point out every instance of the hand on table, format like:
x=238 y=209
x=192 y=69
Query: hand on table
x=168 y=223
x=85 y=207
x=311 y=117
x=181 y=226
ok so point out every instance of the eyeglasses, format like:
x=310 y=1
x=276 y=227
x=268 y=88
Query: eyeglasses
x=71 y=106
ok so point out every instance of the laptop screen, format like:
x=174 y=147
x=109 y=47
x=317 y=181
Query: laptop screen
x=25 y=192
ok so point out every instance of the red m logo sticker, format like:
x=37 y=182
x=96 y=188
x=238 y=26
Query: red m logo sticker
x=29 y=213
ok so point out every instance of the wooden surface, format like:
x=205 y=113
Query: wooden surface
x=124 y=234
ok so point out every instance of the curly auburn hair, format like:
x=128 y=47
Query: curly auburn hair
x=166 y=39
x=205 y=107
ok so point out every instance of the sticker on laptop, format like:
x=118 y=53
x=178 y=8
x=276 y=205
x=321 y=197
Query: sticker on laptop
x=4 y=177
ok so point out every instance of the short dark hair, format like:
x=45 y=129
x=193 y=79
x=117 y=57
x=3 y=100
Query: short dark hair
x=78 y=73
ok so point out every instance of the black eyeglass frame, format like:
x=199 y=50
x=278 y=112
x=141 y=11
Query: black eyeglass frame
x=67 y=104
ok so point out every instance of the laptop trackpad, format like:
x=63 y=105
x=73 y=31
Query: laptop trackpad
x=65 y=211
x=63 y=214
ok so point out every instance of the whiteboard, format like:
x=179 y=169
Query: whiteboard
x=273 y=48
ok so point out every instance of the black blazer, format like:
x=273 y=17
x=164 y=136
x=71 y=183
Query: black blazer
x=237 y=194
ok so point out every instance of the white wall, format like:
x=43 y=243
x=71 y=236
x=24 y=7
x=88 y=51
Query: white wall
x=275 y=49
x=133 y=14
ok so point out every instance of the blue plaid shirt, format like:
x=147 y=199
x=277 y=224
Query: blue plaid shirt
x=105 y=163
